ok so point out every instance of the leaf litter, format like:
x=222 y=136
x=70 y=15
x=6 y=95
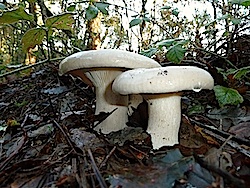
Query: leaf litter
x=47 y=140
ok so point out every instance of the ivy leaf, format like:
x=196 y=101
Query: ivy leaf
x=102 y=7
x=176 y=53
x=135 y=22
x=12 y=16
x=32 y=38
x=149 y=52
x=62 y=21
x=91 y=12
x=226 y=96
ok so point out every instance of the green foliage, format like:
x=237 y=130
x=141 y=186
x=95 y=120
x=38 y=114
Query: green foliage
x=241 y=73
x=134 y=22
x=227 y=96
x=102 y=7
x=150 y=52
x=175 y=50
x=16 y=15
x=245 y=3
x=91 y=12
x=32 y=38
x=176 y=53
x=62 y=21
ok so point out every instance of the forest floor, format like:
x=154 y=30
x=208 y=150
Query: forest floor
x=47 y=140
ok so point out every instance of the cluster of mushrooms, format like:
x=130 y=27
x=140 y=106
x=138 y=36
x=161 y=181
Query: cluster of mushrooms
x=121 y=80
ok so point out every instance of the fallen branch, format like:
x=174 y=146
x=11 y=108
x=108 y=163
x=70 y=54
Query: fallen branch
x=30 y=66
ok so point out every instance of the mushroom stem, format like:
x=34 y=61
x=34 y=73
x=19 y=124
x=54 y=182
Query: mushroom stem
x=164 y=118
x=107 y=101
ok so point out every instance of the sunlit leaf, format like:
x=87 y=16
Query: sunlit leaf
x=2 y=6
x=227 y=96
x=150 y=52
x=135 y=22
x=16 y=15
x=32 y=38
x=102 y=7
x=175 y=53
x=62 y=21
x=91 y=12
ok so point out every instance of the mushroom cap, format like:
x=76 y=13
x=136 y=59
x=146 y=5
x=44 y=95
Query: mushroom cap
x=109 y=58
x=162 y=80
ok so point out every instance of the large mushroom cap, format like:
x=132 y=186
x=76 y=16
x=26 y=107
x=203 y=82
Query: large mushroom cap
x=105 y=58
x=163 y=80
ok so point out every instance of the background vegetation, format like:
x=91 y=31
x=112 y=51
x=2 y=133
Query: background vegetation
x=32 y=31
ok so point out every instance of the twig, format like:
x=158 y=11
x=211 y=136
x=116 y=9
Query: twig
x=66 y=136
x=96 y=171
x=29 y=66
x=224 y=137
x=228 y=142
x=220 y=132
x=235 y=181
x=14 y=153
x=107 y=157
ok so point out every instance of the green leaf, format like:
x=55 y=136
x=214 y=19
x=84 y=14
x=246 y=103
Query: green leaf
x=227 y=96
x=32 y=38
x=241 y=2
x=150 y=52
x=146 y=19
x=91 y=12
x=2 y=6
x=223 y=17
x=71 y=8
x=240 y=73
x=165 y=7
x=166 y=43
x=176 y=53
x=235 y=21
x=102 y=7
x=175 y=12
x=13 y=16
x=135 y=22
x=62 y=21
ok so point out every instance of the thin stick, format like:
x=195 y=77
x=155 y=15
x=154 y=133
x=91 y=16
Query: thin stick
x=96 y=171
x=30 y=66
x=107 y=157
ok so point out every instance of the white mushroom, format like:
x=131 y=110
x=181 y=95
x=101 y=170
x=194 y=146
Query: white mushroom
x=161 y=88
x=99 y=68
